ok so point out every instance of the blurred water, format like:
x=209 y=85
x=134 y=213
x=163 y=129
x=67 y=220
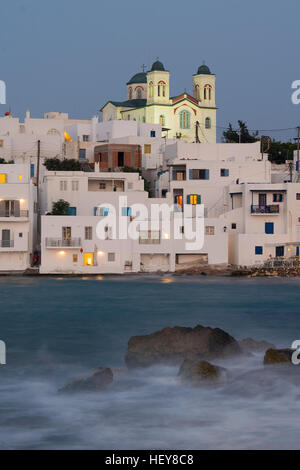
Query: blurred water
x=58 y=328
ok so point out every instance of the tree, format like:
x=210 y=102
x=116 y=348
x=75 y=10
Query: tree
x=241 y=135
x=279 y=152
x=55 y=164
x=60 y=207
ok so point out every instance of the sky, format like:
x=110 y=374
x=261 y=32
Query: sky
x=74 y=55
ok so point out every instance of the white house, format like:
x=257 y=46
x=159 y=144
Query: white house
x=17 y=218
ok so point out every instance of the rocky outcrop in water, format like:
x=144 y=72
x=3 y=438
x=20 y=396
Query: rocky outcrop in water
x=99 y=381
x=249 y=345
x=278 y=356
x=201 y=372
x=172 y=345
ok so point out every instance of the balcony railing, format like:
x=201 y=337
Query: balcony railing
x=271 y=209
x=13 y=213
x=6 y=243
x=63 y=243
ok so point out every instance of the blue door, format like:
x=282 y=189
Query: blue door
x=72 y=210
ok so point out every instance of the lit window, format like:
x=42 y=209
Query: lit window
x=88 y=259
x=2 y=178
x=162 y=120
x=147 y=148
x=75 y=258
x=185 y=120
x=194 y=199
x=1 y=143
x=20 y=177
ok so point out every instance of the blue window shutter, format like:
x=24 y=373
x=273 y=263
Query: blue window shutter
x=124 y=211
x=198 y=199
x=95 y=210
x=269 y=228
x=32 y=170
x=297 y=251
x=129 y=211
x=258 y=250
x=226 y=172
x=207 y=174
x=188 y=199
x=106 y=211
x=191 y=174
x=280 y=197
x=72 y=210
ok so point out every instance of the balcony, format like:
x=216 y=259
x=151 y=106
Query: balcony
x=6 y=243
x=270 y=209
x=63 y=243
x=14 y=213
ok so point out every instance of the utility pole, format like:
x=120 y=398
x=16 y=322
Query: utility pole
x=290 y=165
x=298 y=147
x=38 y=196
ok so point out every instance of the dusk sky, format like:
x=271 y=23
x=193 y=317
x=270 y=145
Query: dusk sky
x=74 y=55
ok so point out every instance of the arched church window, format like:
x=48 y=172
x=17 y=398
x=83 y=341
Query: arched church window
x=207 y=92
x=158 y=90
x=162 y=120
x=138 y=94
x=197 y=95
x=207 y=123
x=151 y=90
x=185 y=120
x=130 y=93
x=53 y=132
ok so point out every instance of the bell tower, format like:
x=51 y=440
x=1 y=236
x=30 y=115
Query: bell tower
x=204 y=87
x=158 y=84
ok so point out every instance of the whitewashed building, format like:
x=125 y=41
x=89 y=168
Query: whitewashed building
x=17 y=217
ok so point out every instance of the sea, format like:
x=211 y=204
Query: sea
x=59 y=328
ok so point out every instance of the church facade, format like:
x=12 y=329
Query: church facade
x=187 y=117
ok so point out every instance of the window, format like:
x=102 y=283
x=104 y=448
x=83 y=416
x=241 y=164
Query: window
x=199 y=174
x=185 y=120
x=20 y=235
x=31 y=170
x=75 y=258
x=66 y=233
x=277 y=197
x=269 y=228
x=207 y=92
x=233 y=226
x=101 y=211
x=297 y=195
x=258 y=250
x=2 y=178
x=63 y=185
x=85 y=138
x=209 y=230
x=102 y=185
x=75 y=185
x=224 y=172
x=138 y=94
x=1 y=143
x=178 y=199
x=130 y=93
x=178 y=175
x=111 y=257
x=194 y=199
x=151 y=90
x=196 y=92
x=126 y=211
x=148 y=237
x=207 y=123
x=152 y=134
x=143 y=119
x=88 y=233
x=72 y=211
x=82 y=154
x=147 y=148
x=130 y=185
x=279 y=251
x=20 y=177
x=162 y=120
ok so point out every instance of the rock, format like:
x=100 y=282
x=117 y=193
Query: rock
x=172 y=345
x=200 y=372
x=278 y=356
x=249 y=345
x=99 y=381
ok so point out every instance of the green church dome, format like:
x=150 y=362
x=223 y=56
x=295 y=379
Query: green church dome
x=157 y=66
x=204 y=70
x=138 y=78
